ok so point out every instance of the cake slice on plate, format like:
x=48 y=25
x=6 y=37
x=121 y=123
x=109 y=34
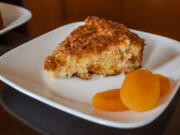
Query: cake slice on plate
x=98 y=47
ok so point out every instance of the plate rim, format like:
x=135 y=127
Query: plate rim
x=74 y=112
x=69 y=110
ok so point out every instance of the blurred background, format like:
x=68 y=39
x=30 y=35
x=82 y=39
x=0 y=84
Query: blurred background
x=155 y=16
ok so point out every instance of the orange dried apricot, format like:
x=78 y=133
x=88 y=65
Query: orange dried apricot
x=164 y=84
x=140 y=90
x=108 y=101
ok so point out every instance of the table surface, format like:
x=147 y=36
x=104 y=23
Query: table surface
x=159 y=24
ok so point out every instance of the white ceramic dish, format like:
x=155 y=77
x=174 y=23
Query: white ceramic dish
x=22 y=68
x=13 y=16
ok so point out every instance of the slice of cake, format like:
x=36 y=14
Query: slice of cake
x=1 y=21
x=98 y=47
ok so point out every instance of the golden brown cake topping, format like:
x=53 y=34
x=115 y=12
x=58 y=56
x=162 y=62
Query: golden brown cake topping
x=96 y=36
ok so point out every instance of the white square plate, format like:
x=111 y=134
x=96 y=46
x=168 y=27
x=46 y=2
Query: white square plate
x=22 y=69
x=13 y=16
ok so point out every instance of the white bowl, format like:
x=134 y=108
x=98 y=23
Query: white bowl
x=13 y=16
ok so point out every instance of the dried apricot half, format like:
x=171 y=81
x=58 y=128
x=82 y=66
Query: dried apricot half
x=164 y=84
x=108 y=101
x=140 y=90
